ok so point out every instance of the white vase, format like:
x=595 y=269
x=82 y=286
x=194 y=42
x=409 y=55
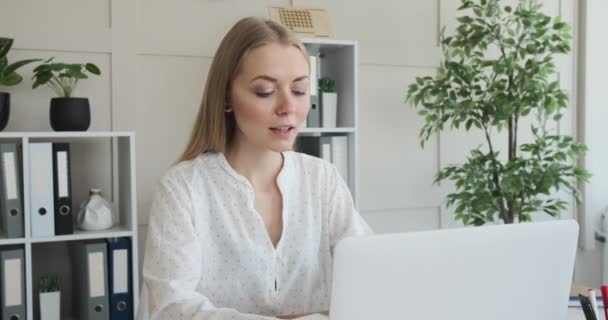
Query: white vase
x=50 y=303
x=96 y=213
x=329 y=109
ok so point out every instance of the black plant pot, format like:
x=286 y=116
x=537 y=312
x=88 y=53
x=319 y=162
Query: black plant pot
x=5 y=109
x=70 y=114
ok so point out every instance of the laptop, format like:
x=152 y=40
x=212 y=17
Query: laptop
x=501 y=272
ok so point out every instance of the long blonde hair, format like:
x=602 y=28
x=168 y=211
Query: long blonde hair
x=213 y=128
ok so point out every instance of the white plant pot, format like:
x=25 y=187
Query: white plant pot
x=50 y=303
x=329 y=109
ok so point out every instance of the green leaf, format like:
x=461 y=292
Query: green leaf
x=3 y=63
x=5 y=46
x=464 y=19
x=11 y=79
x=93 y=69
x=41 y=78
x=13 y=67
x=559 y=25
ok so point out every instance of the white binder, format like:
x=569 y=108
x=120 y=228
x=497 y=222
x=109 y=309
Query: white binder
x=339 y=155
x=42 y=211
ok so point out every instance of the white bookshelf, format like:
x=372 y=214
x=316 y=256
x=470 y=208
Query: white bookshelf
x=103 y=160
x=339 y=60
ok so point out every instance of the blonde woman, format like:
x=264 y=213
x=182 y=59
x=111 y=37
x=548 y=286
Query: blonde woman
x=242 y=227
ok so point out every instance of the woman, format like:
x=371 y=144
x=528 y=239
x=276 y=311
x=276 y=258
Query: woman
x=241 y=227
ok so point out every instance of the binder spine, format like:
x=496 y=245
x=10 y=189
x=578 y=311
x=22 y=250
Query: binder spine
x=62 y=189
x=120 y=279
x=11 y=203
x=41 y=176
x=13 y=284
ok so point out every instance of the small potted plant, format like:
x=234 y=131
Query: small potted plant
x=50 y=297
x=8 y=77
x=329 y=102
x=67 y=113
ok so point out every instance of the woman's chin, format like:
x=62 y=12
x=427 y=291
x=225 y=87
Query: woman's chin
x=281 y=147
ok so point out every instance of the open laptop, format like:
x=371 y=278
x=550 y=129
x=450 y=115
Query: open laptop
x=503 y=272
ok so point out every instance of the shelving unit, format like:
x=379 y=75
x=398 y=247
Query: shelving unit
x=103 y=160
x=338 y=59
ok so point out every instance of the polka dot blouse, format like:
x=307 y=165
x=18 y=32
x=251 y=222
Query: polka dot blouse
x=209 y=256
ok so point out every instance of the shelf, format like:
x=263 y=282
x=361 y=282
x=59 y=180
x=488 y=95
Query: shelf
x=98 y=159
x=327 y=130
x=10 y=241
x=328 y=42
x=115 y=232
x=66 y=134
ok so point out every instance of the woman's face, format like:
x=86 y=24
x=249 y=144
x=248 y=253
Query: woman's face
x=269 y=96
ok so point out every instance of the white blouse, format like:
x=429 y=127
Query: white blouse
x=208 y=253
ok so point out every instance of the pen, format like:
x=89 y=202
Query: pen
x=605 y=298
x=593 y=299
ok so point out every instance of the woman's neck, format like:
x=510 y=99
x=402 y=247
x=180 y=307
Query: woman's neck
x=259 y=166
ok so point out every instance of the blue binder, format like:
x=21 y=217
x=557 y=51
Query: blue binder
x=120 y=279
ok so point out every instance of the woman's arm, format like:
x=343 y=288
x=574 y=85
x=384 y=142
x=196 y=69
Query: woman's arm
x=344 y=220
x=172 y=265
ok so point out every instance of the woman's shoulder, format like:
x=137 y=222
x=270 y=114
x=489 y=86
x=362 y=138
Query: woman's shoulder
x=310 y=164
x=185 y=170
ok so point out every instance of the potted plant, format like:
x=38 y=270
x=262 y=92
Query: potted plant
x=50 y=297
x=329 y=102
x=8 y=77
x=67 y=113
x=496 y=69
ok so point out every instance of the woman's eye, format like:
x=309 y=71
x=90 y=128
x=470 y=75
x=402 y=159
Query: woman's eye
x=299 y=93
x=264 y=94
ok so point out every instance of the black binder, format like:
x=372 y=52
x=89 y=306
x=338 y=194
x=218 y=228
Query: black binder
x=62 y=189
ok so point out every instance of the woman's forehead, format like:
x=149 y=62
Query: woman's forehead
x=275 y=60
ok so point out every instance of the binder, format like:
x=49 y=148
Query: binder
x=11 y=194
x=120 y=279
x=13 y=283
x=320 y=147
x=42 y=210
x=89 y=261
x=314 y=114
x=339 y=155
x=62 y=189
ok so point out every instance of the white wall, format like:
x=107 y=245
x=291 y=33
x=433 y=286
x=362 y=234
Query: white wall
x=155 y=55
x=593 y=118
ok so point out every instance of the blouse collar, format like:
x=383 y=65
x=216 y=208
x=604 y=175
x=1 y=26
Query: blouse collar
x=283 y=173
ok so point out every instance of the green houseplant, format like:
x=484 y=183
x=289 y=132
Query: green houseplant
x=495 y=70
x=50 y=297
x=329 y=102
x=8 y=77
x=68 y=113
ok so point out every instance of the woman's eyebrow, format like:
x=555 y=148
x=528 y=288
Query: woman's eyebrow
x=300 y=78
x=271 y=79
x=264 y=77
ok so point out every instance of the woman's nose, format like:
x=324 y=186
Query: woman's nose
x=286 y=103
